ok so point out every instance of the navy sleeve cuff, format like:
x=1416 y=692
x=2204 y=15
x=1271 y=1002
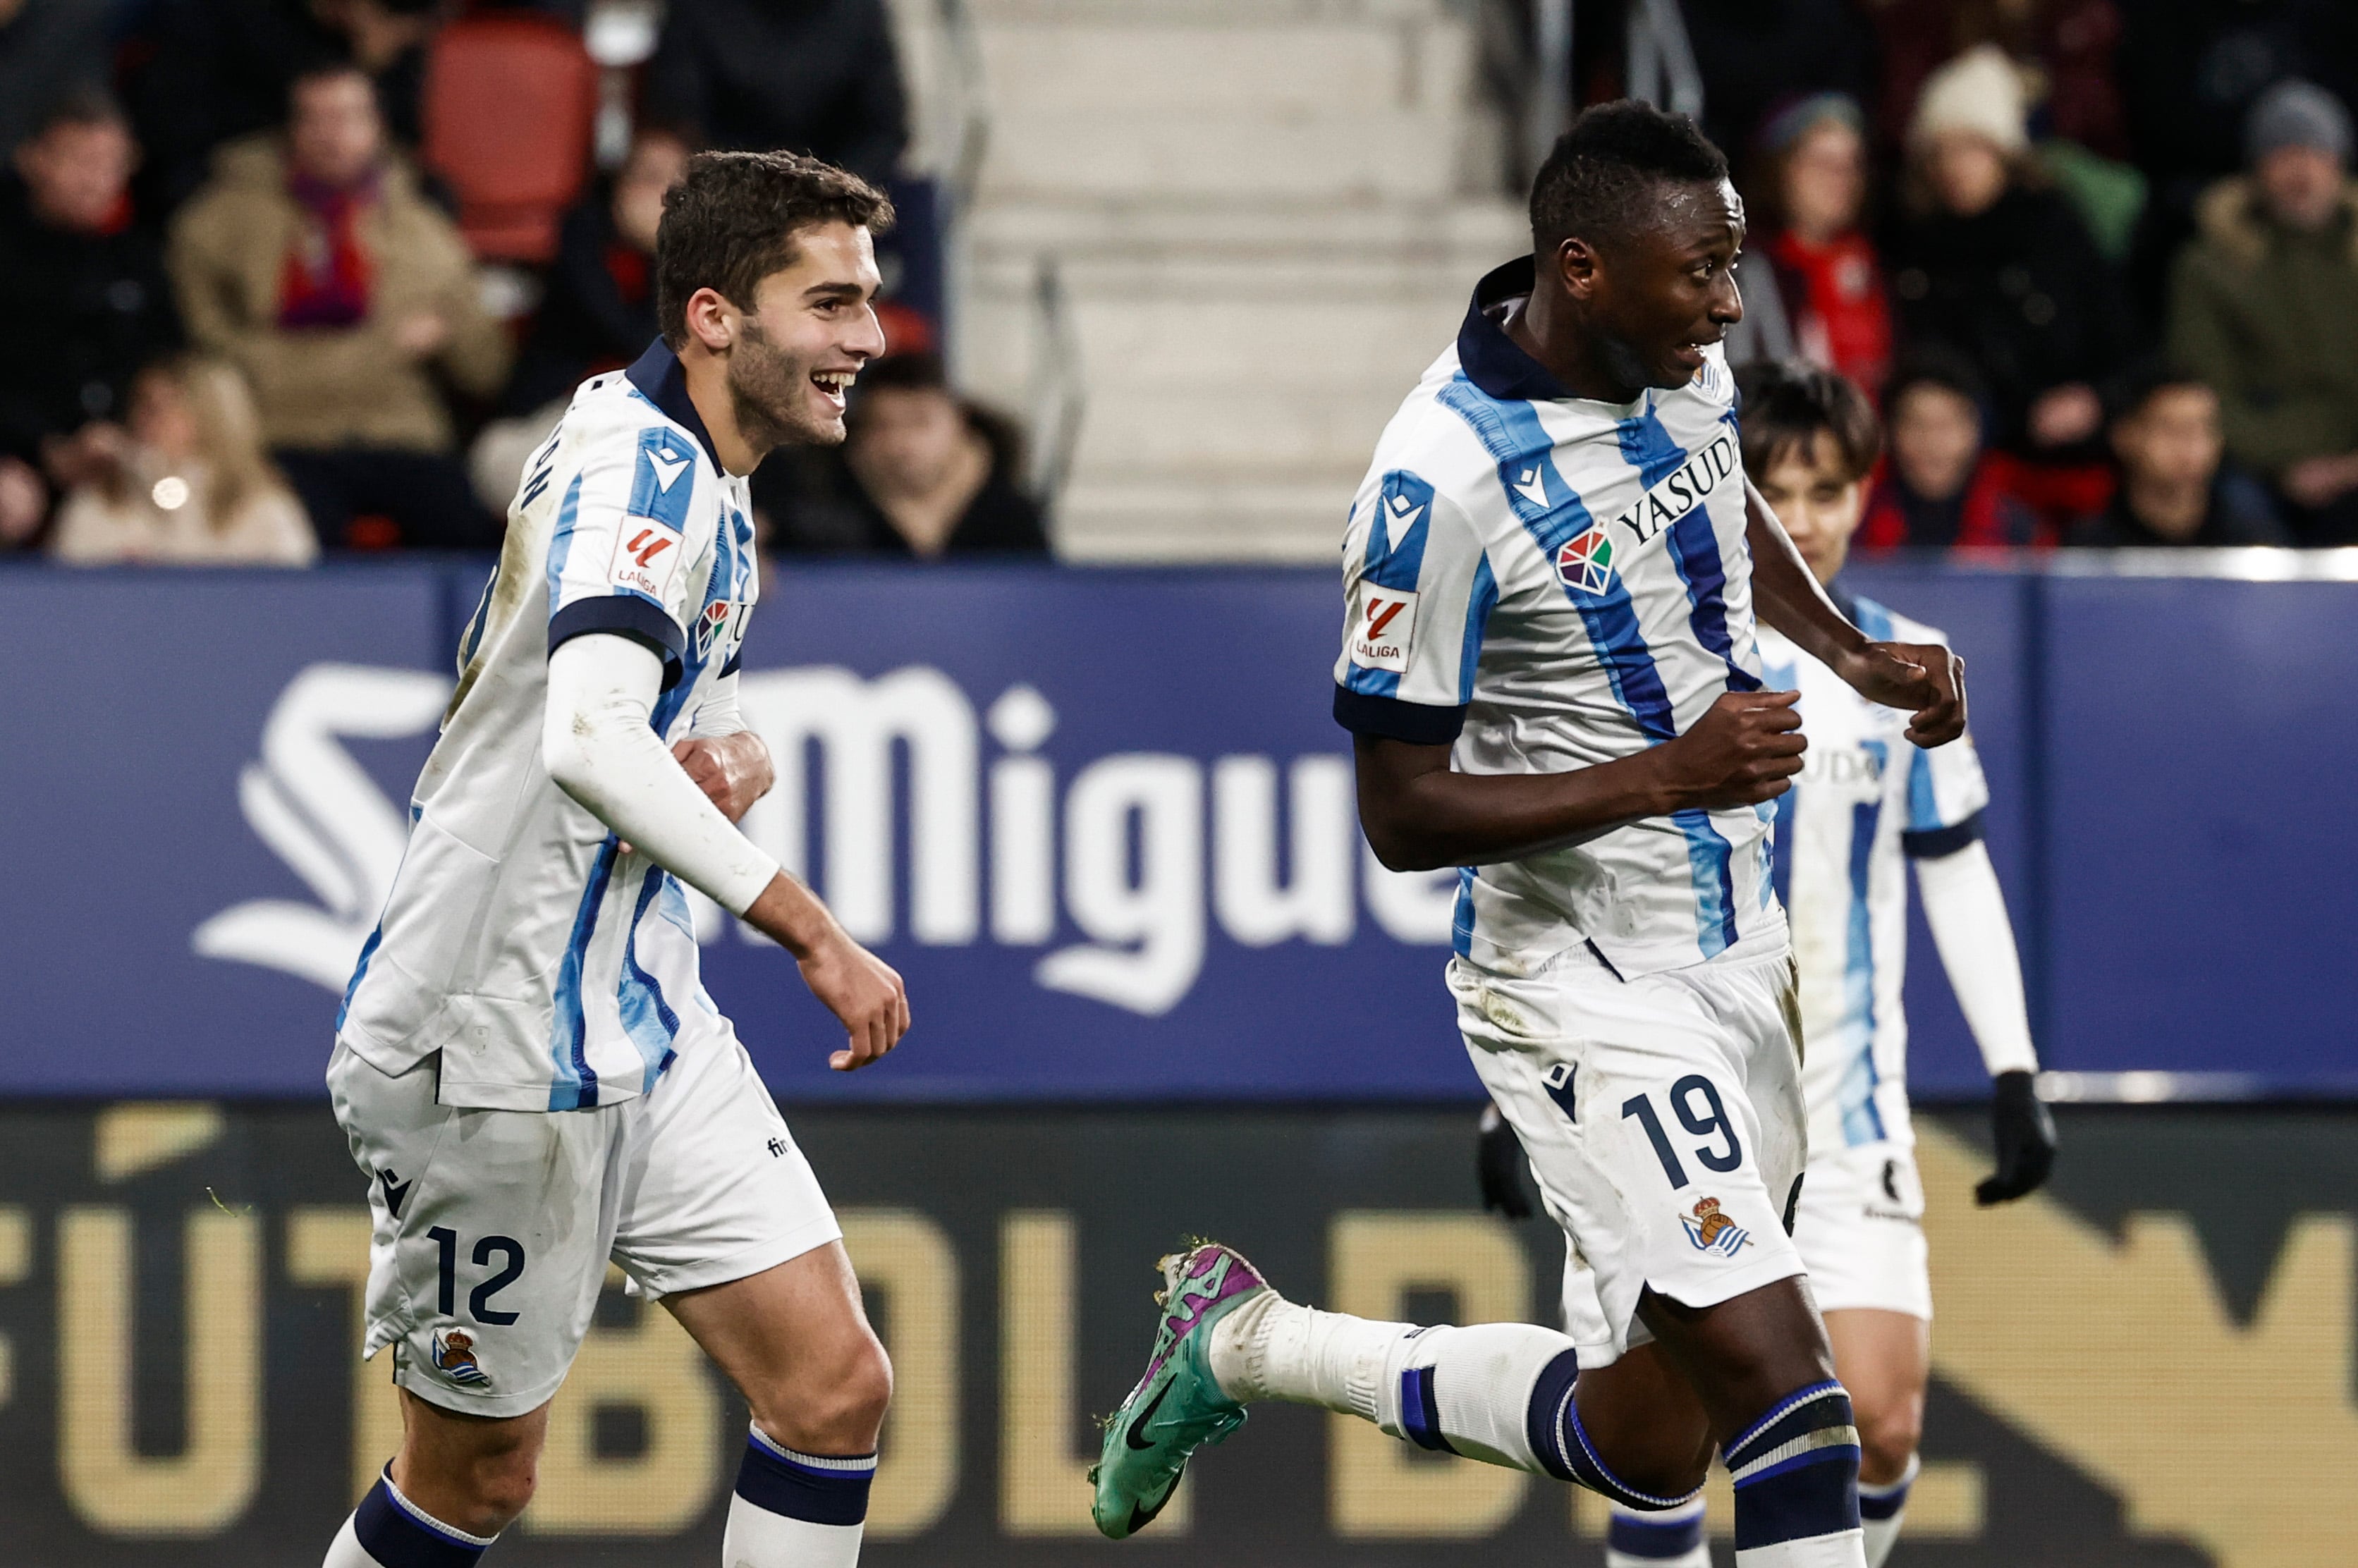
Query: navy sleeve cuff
x=1935 y=842
x=623 y=615
x=1418 y=723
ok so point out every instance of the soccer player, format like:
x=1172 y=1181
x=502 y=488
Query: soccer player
x=1551 y=673
x=1866 y=799
x=527 y=1067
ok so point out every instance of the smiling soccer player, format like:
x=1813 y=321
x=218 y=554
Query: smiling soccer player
x=1565 y=700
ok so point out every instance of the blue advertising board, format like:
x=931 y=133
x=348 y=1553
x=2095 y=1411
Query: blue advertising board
x=1103 y=823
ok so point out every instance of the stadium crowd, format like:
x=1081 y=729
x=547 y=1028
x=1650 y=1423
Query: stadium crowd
x=2097 y=263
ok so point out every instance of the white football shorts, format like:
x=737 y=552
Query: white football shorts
x=1662 y=1117
x=1860 y=1227
x=493 y=1227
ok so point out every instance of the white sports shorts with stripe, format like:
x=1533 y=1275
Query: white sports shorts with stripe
x=493 y=1227
x=1663 y=1119
x=1860 y=1227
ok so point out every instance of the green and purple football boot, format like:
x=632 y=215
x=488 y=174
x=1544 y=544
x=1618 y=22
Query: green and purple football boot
x=1177 y=1407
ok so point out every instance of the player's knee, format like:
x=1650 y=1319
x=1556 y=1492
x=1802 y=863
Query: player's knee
x=482 y=1492
x=502 y=1488
x=1887 y=1439
x=839 y=1411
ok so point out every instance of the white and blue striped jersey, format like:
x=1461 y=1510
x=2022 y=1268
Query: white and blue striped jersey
x=1867 y=798
x=552 y=970
x=1547 y=583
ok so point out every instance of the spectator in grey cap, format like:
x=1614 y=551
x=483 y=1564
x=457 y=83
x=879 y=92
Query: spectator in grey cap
x=2265 y=308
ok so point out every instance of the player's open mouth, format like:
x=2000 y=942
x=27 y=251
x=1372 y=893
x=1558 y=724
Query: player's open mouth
x=833 y=385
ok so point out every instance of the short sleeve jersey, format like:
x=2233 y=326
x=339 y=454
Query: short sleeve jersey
x=1867 y=799
x=551 y=969
x=1546 y=583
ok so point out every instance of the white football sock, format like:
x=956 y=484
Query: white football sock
x=1880 y=1509
x=388 y=1529
x=796 y=1511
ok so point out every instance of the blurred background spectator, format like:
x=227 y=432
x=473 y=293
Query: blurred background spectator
x=1991 y=263
x=49 y=48
x=208 y=72
x=86 y=303
x=313 y=263
x=2265 y=308
x=1829 y=280
x=188 y=483
x=598 y=313
x=1939 y=486
x=2174 y=489
x=812 y=76
x=1757 y=54
x=924 y=473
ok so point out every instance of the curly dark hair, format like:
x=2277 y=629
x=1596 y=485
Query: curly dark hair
x=733 y=223
x=1602 y=180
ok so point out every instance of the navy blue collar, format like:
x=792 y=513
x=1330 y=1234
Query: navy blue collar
x=1493 y=361
x=661 y=378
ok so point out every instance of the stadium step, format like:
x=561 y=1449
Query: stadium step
x=1265 y=216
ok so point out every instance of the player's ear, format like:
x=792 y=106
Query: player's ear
x=1576 y=263
x=711 y=319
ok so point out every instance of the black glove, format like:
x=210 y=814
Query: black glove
x=2025 y=1134
x=1498 y=1161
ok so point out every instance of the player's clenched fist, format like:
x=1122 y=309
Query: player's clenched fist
x=1744 y=749
x=1925 y=678
x=865 y=994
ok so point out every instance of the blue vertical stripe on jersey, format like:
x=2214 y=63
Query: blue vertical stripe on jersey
x=719 y=587
x=1781 y=677
x=647 y=1018
x=651 y=497
x=1862 y=1119
x=1461 y=916
x=1395 y=559
x=560 y=541
x=473 y=639
x=575 y=1086
x=377 y=933
x=1648 y=447
x=1694 y=550
x=1478 y=605
x=1523 y=451
x=1711 y=865
x=1924 y=806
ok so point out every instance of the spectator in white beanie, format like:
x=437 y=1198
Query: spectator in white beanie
x=1991 y=265
x=2263 y=305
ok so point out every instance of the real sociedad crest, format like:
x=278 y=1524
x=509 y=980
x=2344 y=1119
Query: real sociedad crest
x=1712 y=1231
x=454 y=1357
x=1587 y=563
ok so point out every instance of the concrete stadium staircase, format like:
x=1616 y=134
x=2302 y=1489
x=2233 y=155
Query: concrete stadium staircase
x=1267 y=215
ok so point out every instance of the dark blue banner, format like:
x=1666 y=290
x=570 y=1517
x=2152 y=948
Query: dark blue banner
x=1103 y=823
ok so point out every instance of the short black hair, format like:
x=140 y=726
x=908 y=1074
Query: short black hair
x=1786 y=402
x=80 y=104
x=1598 y=181
x=732 y=221
x=2126 y=395
x=910 y=370
x=1939 y=365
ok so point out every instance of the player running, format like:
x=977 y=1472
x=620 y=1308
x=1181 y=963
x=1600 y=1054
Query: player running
x=1865 y=798
x=1551 y=673
x=526 y=1064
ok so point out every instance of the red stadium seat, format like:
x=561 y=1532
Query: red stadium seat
x=510 y=102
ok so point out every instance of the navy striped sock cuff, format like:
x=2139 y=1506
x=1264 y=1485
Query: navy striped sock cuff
x=1421 y=1411
x=1795 y=1470
x=399 y=1534
x=813 y=1488
x=1552 y=1426
x=1657 y=1538
x=1885 y=1501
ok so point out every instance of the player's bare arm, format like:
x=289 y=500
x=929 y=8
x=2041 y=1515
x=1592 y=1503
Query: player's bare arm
x=1421 y=815
x=1925 y=678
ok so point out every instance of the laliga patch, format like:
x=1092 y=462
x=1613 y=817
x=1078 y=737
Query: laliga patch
x=646 y=556
x=1383 y=627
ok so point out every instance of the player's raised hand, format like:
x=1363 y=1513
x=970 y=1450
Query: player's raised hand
x=864 y=993
x=2026 y=1141
x=1925 y=678
x=1744 y=749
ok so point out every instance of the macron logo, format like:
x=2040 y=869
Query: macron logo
x=667 y=466
x=1532 y=487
